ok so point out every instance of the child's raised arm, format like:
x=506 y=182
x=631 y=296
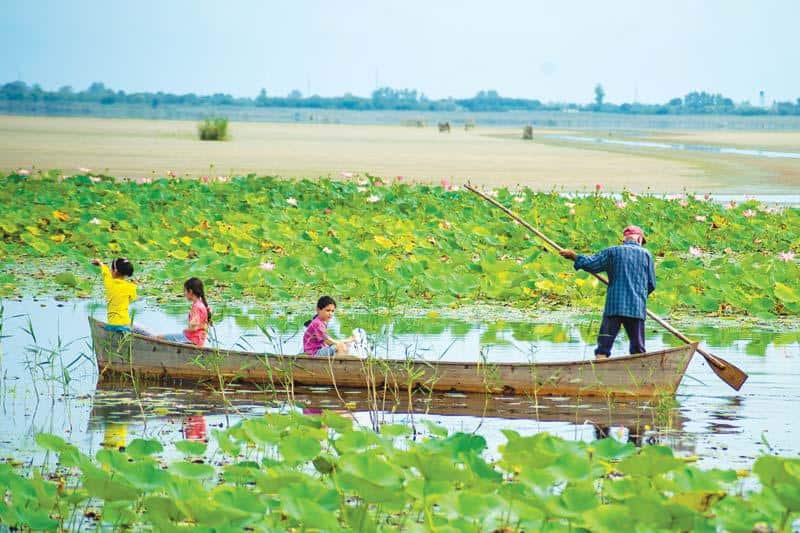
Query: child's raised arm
x=104 y=270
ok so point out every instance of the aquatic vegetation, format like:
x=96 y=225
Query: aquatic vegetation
x=391 y=243
x=280 y=472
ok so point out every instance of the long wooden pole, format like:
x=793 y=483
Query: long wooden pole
x=728 y=372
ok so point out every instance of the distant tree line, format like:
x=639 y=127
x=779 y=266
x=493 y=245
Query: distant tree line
x=387 y=98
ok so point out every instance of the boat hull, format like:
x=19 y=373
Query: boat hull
x=632 y=375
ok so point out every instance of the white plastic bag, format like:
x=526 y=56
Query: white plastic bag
x=360 y=344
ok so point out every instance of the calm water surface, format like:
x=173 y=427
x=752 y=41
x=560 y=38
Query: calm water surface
x=48 y=383
x=752 y=152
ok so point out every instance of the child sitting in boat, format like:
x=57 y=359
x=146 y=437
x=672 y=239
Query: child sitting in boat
x=120 y=293
x=316 y=340
x=199 y=316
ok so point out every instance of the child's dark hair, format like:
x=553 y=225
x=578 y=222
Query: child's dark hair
x=322 y=303
x=195 y=286
x=123 y=266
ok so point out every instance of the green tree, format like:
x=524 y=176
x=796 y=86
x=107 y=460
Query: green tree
x=599 y=94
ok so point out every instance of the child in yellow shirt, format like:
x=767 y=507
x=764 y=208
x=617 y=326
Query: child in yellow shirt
x=120 y=293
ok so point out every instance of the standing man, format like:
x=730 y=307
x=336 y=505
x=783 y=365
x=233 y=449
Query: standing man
x=631 y=279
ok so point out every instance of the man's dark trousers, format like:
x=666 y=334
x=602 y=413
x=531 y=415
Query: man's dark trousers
x=609 y=328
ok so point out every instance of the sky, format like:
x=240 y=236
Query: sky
x=645 y=51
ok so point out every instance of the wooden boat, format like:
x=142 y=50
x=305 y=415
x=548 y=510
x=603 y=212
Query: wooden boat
x=645 y=374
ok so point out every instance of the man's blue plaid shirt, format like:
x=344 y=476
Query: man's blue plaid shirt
x=631 y=277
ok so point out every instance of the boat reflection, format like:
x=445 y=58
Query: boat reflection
x=641 y=420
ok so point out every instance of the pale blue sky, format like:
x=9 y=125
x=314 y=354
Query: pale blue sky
x=555 y=51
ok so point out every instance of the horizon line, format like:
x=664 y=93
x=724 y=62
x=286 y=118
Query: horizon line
x=369 y=97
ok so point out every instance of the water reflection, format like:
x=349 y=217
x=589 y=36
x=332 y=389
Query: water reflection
x=118 y=413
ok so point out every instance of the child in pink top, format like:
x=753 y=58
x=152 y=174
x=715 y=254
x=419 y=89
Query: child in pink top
x=316 y=340
x=199 y=316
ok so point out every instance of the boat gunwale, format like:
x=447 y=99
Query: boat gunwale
x=610 y=360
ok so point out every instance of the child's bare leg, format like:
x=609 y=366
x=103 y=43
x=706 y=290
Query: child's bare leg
x=341 y=348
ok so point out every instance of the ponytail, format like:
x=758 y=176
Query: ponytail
x=208 y=310
x=195 y=286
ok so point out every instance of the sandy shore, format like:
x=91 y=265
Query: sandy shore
x=485 y=156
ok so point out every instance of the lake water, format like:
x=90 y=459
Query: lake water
x=751 y=152
x=42 y=338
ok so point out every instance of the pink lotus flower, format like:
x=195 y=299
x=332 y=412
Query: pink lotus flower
x=683 y=203
x=363 y=182
x=269 y=265
x=700 y=218
x=327 y=250
x=399 y=178
x=373 y=199
x=205 y=179
x=84 y=170
x=447 y=185
x=347 y=175
x=703 y=198
x=142 y=181
x=749 y=213
x=695 y=251
x=23 y=172
x=730 y=205
x=292 y=201
x=95 y=179
x=223 y=179
x=95 y=221
x=706 y=197
x=170 y=174
x=621 y=204
x=597 y=187
x=786 y=256
x=379 y=183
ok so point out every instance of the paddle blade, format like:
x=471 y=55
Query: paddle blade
x=730 y=374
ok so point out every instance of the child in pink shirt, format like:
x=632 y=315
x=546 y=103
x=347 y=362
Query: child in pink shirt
x=316 y=340
x=199 y=316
